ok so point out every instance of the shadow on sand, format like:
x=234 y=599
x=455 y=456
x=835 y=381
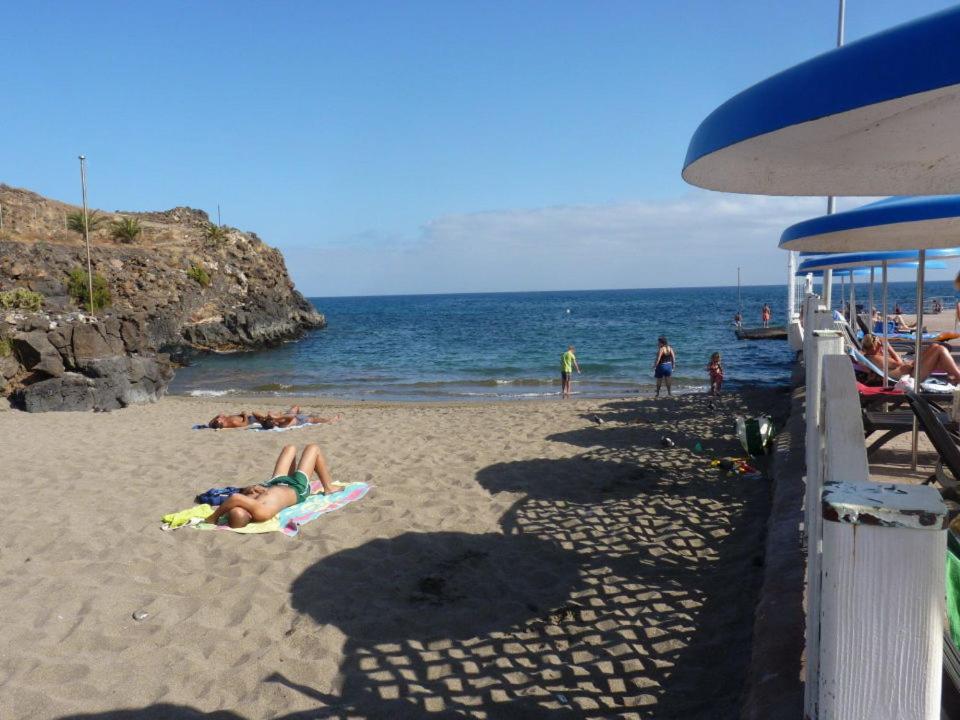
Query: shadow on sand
x=623 y=585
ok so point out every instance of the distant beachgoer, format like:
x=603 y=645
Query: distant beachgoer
x=738 y=318
x=897 y=310
x=664 y=365
x=244 y=419
x=568 y=361
x=290 y=484
x=933 y=358
x=765 y=315
x=901 y=325
x=715 y=368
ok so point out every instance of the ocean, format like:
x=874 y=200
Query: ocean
x=506 y=346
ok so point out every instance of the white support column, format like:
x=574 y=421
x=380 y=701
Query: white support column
x=823 y=346
x=882 y=602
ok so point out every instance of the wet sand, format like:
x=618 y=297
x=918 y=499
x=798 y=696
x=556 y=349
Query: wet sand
x=512 y=560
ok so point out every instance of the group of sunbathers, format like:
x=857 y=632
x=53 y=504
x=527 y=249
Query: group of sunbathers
x=290 y=482
x=269 y=420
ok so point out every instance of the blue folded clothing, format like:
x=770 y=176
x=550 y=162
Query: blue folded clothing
x=216 y=496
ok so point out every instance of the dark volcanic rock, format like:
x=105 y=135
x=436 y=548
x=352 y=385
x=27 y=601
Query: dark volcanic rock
x=35 y=352
x=80 y=365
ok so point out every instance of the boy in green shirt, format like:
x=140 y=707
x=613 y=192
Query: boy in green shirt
x=568 y=361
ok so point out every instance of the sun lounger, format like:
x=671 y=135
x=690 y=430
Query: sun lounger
x=942 y=433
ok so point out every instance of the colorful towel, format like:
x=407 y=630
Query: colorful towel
x=258 y=426
x=288 y=520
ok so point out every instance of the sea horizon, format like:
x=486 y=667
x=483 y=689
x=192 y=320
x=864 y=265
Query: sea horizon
x=479 y=347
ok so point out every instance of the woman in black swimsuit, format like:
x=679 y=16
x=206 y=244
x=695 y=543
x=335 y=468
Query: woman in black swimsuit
x=665 y=364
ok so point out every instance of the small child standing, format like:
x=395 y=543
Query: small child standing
x=715 y=368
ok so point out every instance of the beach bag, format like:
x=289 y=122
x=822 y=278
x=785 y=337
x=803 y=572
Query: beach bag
x=755 y=433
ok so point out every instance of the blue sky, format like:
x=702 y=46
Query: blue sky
x=390 y=147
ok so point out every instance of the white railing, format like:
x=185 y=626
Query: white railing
x=875 y=560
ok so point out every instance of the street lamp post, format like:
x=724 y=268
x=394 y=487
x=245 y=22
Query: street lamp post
x=86 y=230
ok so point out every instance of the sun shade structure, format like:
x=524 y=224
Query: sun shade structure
x=898 y=223
x=865 y=271
x=894 y=259
x=879 y=116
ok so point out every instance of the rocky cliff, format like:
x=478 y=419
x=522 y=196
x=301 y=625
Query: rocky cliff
x=169 y=281
x=197 y=285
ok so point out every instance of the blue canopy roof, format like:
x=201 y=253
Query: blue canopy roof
x=897 y=223
x=817 y=268
x=866 y=259
x=878 y=116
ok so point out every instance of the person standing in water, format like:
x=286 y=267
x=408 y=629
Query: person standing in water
x=568 y=361
x=665 y=364
x=765 y=315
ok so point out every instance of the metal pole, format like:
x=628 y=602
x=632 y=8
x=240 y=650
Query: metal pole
x=219 y=224
x=831 y=201
x=791 y=284
x=916 y=355
x=884 y=321
x=86 y=229
x=843 y=289
x=870 y=301
x=853 y=304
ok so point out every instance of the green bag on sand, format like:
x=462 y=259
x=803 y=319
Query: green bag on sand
x=953 y=586
x=755 y=433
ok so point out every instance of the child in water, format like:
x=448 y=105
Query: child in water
x=715 y=368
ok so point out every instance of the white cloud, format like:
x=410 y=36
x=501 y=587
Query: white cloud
x=697 y=239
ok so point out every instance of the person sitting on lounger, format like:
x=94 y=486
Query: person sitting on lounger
x=902 y=325
x=290 y=485
x=933 y=359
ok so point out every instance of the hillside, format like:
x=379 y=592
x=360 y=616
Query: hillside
x=193 y=289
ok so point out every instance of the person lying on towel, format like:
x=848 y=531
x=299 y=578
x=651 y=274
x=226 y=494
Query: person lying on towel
x=290 y=485
x=268 y=420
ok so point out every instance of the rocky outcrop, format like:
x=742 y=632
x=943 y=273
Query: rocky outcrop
x=81 y=363
x=223 y=291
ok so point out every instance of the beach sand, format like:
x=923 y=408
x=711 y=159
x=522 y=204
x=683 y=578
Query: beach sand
x=512 y=560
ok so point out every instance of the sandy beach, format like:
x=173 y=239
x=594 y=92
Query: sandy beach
x=512 y=560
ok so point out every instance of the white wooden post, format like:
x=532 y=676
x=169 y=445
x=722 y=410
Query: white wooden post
x=823 y=346
x=882 y=602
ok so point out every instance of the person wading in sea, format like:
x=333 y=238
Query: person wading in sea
x=568 y=361
x=665 y=364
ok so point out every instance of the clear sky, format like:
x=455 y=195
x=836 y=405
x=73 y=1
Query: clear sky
x=394 y=147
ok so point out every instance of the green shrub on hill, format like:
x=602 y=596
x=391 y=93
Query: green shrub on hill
x=77 y=288
x=21 y=299
x=215 y=233
x=75 y=221
x=6 y=347
x=125 y=229
x=196 y=272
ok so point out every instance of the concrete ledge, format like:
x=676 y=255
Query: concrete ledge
x=774 y=687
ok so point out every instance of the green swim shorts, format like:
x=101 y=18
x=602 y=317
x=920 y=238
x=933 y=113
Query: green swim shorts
x=298 y=481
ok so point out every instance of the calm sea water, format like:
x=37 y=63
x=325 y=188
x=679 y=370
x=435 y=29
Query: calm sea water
x=508 y=345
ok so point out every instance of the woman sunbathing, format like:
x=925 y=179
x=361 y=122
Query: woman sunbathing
x=290 y=485
x=268 y=420
x=933 y=359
